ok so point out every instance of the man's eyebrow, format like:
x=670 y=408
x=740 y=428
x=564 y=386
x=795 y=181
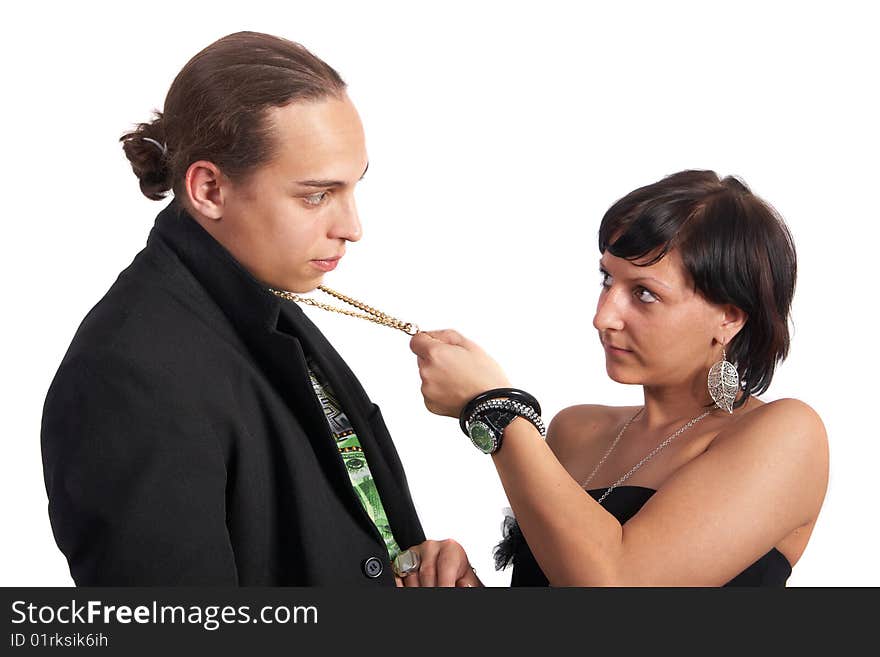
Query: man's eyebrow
x=328 y=183
x=639 y=278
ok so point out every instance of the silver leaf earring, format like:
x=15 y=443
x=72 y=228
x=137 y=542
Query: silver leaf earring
x=723 y=383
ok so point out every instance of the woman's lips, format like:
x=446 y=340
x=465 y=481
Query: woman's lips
x=326 y=265
x=616 y=351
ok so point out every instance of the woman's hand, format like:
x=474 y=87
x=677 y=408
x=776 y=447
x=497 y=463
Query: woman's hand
x=443 y=563
x=454 y=370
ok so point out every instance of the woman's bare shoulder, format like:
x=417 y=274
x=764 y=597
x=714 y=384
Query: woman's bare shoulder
x=788 y=433
x=788 y=419
x=572 y=428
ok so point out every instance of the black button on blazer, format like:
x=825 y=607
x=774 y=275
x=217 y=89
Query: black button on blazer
x=183 y=444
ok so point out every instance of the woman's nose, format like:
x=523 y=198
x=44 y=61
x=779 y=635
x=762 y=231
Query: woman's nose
x=608 y=312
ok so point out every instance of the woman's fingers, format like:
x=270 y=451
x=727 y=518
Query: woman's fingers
x=449 y=336
x=420 y=344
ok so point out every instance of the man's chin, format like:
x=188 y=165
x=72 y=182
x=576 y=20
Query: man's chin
x=304 y=286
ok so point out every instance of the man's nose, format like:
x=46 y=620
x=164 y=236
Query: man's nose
x=347 y=223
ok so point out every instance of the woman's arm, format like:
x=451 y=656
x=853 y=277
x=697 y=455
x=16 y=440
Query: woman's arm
x=762 y=478
x=759 y=480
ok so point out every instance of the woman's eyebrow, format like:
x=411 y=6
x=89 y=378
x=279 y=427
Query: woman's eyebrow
x=639 y=278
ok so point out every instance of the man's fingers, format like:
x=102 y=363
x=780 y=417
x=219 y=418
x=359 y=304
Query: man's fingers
x=407 y=561
x=449 y=566
x=468 y=579
x=412 y=578
x=442 y=563
x=428 y=569
x=426 y=575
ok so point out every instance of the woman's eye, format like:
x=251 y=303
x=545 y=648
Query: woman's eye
x=645 y=296
x=606 y=278
x=315 y=199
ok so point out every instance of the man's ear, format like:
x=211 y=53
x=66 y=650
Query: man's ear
x=204 y=186
x=732 y=321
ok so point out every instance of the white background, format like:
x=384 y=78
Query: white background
x=498 y=134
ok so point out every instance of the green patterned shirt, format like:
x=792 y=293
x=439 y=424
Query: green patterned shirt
x=354 y=458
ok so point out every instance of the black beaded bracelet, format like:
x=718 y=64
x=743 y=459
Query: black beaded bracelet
x=495 y=393
x=509 y=405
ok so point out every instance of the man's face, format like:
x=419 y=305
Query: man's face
x=289 y=222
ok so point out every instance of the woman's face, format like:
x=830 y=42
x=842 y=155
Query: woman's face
x=656 y=329
x=289 y=222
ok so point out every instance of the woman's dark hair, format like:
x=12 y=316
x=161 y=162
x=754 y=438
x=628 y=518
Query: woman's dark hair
x=735 y=248
x=217 y=107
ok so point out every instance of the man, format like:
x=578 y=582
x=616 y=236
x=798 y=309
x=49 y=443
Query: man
x=201 y=430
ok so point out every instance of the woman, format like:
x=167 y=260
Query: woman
x=702 y=485
x=201 y=430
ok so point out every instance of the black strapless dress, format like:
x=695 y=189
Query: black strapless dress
x=623 y=503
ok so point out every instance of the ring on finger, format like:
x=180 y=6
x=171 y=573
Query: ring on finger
x=406 y=563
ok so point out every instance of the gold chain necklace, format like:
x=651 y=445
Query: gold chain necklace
x=368 y=313
x=617 y=483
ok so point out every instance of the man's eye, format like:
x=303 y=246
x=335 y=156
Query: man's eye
x=316 y=199
x=645 y=295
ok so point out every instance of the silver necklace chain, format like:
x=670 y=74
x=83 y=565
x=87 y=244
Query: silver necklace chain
x=653 y=453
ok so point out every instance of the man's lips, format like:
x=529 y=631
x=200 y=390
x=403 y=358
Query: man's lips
x=327 y=264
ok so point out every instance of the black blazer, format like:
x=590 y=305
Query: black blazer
x=183 y=443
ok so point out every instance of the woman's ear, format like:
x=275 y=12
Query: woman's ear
x=204 y=187
x=732 y=321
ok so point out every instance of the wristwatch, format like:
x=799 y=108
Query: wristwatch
x=484 y=418
x=486 y=429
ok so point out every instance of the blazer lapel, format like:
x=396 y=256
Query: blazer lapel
x=357 y=407
x=274 y=340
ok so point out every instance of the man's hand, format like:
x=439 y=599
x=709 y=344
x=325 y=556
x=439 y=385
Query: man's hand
x=443 y=563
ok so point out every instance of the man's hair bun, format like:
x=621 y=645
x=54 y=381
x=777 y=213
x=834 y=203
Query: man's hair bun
x=145 y=149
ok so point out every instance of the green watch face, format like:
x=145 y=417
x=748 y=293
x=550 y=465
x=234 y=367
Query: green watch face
x=482 y=436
